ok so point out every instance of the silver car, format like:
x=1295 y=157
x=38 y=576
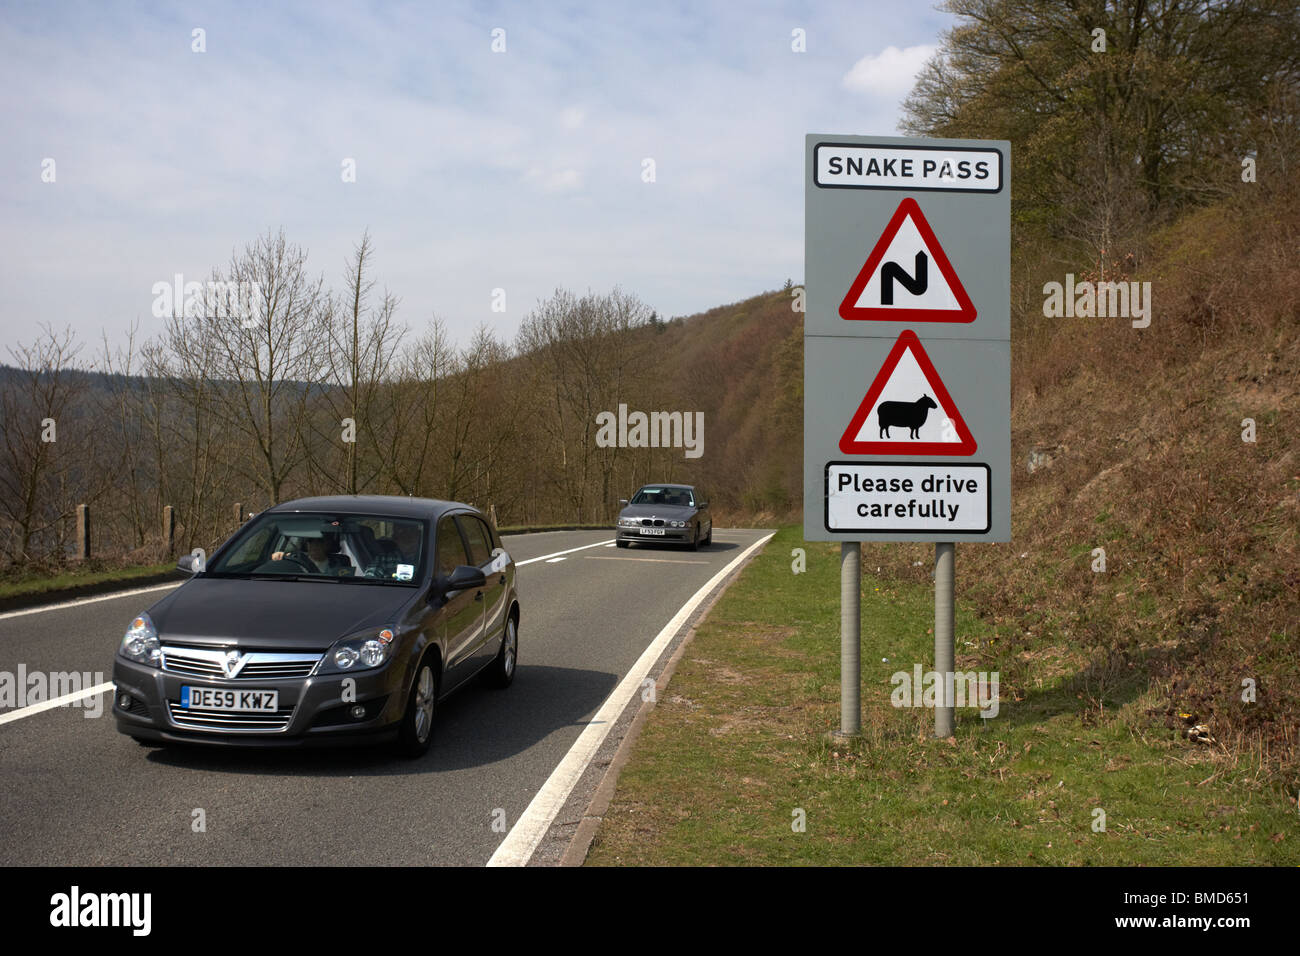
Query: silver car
x=662 y=513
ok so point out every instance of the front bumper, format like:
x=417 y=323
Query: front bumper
x=316 y=709
x=670 y=535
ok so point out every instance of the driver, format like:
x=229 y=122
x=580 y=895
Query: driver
x=321 y=555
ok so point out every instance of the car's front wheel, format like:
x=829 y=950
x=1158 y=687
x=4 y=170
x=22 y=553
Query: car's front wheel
x=695 y=539
x=416 y=733
x=622 y=544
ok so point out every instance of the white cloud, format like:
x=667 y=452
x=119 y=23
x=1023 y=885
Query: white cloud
x=889 y=73
x=572 y=117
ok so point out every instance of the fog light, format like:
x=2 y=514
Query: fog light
x=357 y=711
x=124 y=702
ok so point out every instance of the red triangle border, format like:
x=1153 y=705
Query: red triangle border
x=848 y=444
x=849 y=309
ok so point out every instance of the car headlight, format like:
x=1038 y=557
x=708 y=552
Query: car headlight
x=628 y=522
x=359 y=653
x=140 y=642
x=679 y=524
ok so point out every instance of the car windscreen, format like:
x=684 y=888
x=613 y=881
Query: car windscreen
x=365 y=549
x=664 y=496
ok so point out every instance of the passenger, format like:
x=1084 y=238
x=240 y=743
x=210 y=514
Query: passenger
x=406 y=550
x=406 y=535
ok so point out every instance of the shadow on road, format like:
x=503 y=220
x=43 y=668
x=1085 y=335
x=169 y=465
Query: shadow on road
x=477 y=726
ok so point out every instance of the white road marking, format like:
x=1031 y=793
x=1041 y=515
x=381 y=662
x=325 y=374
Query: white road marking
x=161 y=587
x=555 y=560
x=522 y=841
x=610 y=557
x=56 y=702
x=90 y=600
x=556 y=554
x=612 y=544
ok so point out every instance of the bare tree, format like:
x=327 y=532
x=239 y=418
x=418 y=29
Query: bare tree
x=46 y=450
x=268 y=361
x=363 y=339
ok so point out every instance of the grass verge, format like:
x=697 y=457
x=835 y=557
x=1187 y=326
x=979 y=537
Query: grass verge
x=19 y=587
x=737 y=751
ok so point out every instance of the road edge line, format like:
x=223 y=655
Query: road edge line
x=77 y=602
x=575 y=854
x=521 y=843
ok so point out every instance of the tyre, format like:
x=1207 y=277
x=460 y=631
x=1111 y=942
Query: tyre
x=416 y=733
x=622 y=544
x=709 y=540
x=501 y=671
x=695 y=539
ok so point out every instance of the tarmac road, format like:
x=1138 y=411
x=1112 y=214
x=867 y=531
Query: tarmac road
x=77 y=792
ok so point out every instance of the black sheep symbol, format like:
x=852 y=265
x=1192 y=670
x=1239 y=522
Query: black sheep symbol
x=910 y=415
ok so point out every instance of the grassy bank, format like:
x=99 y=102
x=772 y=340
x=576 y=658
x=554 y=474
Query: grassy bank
x=738 y=746
x=17 y=587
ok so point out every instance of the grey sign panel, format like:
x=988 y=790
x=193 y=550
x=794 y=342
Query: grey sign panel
x=907 y=356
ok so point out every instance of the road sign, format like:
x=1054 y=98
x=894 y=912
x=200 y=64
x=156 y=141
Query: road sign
x=907 y=339
x=929 y=424
x=941 y=497
x=907 y=277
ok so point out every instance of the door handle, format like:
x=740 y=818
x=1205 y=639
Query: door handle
x=503 y=579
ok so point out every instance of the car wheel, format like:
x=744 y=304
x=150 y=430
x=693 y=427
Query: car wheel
x=416 y=733
x=709 y=539
x=695 y=539
x=501 y=671
x=622 y=544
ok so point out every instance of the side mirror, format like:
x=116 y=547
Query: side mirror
x=622 y=502
x=703 y=505
x=185 y=563
x=464 y=578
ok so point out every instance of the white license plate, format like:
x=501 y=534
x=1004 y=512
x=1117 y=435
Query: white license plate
x=241 y=701
x=658 y=531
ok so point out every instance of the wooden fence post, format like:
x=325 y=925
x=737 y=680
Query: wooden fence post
x=83 y=533
x=169 y=530
x=239 y=514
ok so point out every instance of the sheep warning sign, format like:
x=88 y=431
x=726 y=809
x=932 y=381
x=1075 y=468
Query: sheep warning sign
x=907 y=410
x=907 y=277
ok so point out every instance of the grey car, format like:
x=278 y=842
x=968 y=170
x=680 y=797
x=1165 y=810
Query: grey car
x=321 y=621
x=675 y=514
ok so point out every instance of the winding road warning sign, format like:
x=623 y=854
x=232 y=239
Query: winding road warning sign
x=907 y=277
x=907 y=410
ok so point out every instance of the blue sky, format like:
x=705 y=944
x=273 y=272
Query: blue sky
x=475 y=170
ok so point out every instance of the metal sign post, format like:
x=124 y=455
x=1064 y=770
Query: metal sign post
x=850 y=638
x=944 y=577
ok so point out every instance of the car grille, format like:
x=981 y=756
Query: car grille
x=260 y=665
x=652 y=522
x=266 y=721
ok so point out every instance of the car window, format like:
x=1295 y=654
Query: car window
x=476 y=533
x=251 y=549
x=451 y=551
x=291 y=544
x=664 y=496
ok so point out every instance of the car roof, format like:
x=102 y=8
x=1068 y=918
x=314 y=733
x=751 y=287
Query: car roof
x=396 y=506
x=663 y=484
